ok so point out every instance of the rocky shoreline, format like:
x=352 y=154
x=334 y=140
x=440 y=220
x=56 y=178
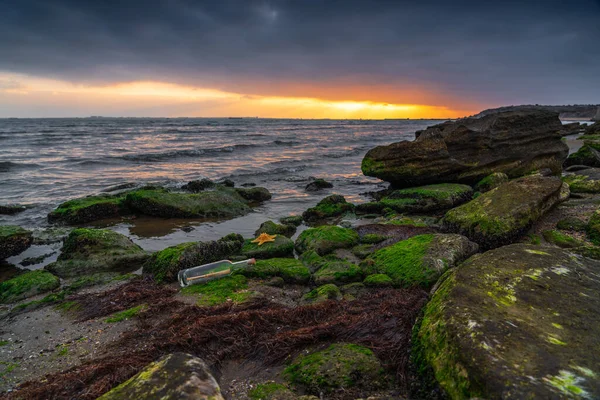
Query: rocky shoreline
x=474 y=275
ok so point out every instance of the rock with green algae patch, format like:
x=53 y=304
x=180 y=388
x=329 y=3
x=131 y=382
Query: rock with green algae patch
x=362 y=251
x=428 y=198
x=331 y=206
x=593 y=228
x=232 y=288
x=561 y=239
x=517 y=322
x=281 y=247
x=271 y=391
x=174 y=376
x=222 y=202
x=504 y=214
x=490 y=182
x=26 y=285
x=294 y=220
x=588 y=155
x=13 y=240
x=89 y=251
x=289 y=269
x=272 y=228
x=323 y=293
x=571 y=224
x=88 y=209
x=340 y=366
x=420 y=260
x=335 y=270
x=582 y=183
x=378 y=280
x=166 y=264
x=325 y=239
x=255 y=194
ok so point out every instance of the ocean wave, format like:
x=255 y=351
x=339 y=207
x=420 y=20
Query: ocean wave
x=199 y=152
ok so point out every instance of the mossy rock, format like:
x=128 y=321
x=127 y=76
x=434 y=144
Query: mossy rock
x=331 y=206
x=272 y=228
x=294 y=220
x=13 y=240
x=174 y=376
x=232 y=288
x=587 y=155
x=428 y=198
x=490 y=182
x=582 y=184
x=378 y=280
x=420 y=260
x=340 y=366
x=335 y=270
x=571 y=224
x=89 y=251
x=354 y=290
x=11 y=209
x=373 y=238
x=504 y=214
x=593 y=228
x=26 y=285
x=271 y=391
x=289 y=269
x=325 y=239
x=255 y=194
x=373 y=207
x=220 y=203
x=561 y=239
x=517 y=322
x=198 y=186
x=166 y=264
x=362 y=251
x=318 y=184
x=88 y=209
x=323 y=293
x=281 y=247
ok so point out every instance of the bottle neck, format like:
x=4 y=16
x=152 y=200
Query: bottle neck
x=250 y=261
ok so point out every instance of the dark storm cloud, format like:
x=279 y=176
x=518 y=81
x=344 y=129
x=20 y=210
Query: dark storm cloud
x=503 y=52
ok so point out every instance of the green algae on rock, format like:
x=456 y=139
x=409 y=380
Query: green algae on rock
x=491 y=181
x=571 y=224
x=593 y=228
x=88 y=209
x=323 y=293
x=325 y=239
x=429 y=198
x=166 y=264
x=587 y=155
x=13 y=240
x=517 y=322
x=89 y=251
x=561 y=239
x=230 y=288
x=582 y=183
x=420 y=260
x=255 y=194
x=340 y=366
x=272 y=228
x=281 y=247
x=174 y=376
x=378 y=280
x=294 y=220
x=335 y=270
x=331 y=206
x=271 y=391
x=503 y=214
x=26 y=285
x=289 y=269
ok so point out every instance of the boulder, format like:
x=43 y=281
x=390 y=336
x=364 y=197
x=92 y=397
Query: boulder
x=166 y=264
x=517 y=322
x=229 y=289
x=467 y=150
x=588 y=154
x=281 y=247
x=289 y=269
x=272 y=228
x=420 y=260
x=502 y=215
x=11 y=209
x=572 y=128
x=331 y=206
x=586 y=180
x=198 y=186
x=174 y=376
x=294 y=220
x=27 y=284
x=331 y=269
x=88 y=209
x=428 y=198
x=255 y=194
x=323 y=293
x=325 y=239
x=89 y=251
x=317 y=185
x=491 y=181
x=13 y=240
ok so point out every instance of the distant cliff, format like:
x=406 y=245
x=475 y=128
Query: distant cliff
x=576 y=111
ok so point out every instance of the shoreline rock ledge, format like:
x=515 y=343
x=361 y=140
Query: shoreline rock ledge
x=467 y=150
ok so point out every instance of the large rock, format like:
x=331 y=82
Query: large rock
x=175 y=376
x=89 y=251
x=428 y=198
x=325 y=239
x=584 y=180
x=88 y=209
x=420 y=260
x=26 y=285
x=331 y=206
x=466 y=151
x=502 y=215
x=13 y=240
x=588 y=155
x=518 y=322
x=281 y=247
x=166 y=264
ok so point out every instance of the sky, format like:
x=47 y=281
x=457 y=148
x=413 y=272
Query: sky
x=294 y=58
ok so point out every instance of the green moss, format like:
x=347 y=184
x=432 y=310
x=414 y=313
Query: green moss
x=219 y=291
x=281 y=247
x=8 y=368
x=7 y=231
x=532 y=238
x=4 y=343
x=294 y=220
x=401 y=220
x=26 y=285
x=325 y=239
x=560 y=239
x=289 y=269
x=378 y=280
x=362 y=250
x=403 y=262
x=334 y=270
x=593 y=228
x=272 y=228
x=571 y=224
x=331 y=206
x=582 y=184
x=323 y=293
x=166 y=260
x=89 y=209
x=269 y=391
x=126 y=314
x=341 y=365
x=491 y=181
x=372 y=238
x=428 y=198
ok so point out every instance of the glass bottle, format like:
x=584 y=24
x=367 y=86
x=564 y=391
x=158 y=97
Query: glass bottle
x=207 y=272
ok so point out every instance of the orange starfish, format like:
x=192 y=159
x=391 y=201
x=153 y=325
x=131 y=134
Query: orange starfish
x=264 y=238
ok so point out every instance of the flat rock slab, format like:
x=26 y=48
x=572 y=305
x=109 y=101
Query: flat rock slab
x=502 y=215
x=517 y=322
